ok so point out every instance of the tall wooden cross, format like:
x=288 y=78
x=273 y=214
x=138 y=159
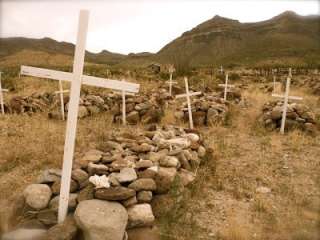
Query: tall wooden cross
x=221 y=69
x=61 y=92
x=77 y=79
x=226 y=87
x=188 y=95
x=170 y=82
x=1 y=95
x=286 y=97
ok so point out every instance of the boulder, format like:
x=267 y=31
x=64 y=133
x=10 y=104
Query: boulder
x=37 y=196
x=66 y=230
x=72 y=203
x=144 y=196
x=126 y=175
x=101 y=220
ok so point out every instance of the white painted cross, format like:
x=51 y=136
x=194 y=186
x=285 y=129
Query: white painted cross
x=76 y=78
x=285 y=104
x=221 y=69
x=1 y=95
x=188 y=95
x=226 y=87
x=124 y=93
x=171 y=70
x=61 y=92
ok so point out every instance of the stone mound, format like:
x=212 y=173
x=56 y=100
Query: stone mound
x=299 y=116
x=120 y=179
x=29 y=104
x=206 y=110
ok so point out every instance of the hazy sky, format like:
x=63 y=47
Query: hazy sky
x=126 y=26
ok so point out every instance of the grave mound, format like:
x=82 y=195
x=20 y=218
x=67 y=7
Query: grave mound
x=299 y=116
x=206 y=110
x=127 y=171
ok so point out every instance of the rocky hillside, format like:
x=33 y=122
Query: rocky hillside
x=285 y=39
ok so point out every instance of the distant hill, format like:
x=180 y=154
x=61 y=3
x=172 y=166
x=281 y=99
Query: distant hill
x=287 y=39
x=11 y=46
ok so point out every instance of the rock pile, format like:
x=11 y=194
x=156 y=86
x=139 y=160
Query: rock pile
x=89 y=105
x=139 y=109
x=37 y=102
x=206 y=110
x=112 y=188
x=299 y=116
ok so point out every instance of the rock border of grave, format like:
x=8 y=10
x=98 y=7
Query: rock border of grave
x=119 y=179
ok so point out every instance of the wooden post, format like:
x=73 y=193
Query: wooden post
x=1 y=95
x=226 y=87
x=73 y=115
x=60 y=92
x=124 y=121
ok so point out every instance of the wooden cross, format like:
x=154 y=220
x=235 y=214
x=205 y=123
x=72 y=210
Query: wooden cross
x=188 y=95
x=124 y=93
x=171 y=70
x=285 y=104
x=221 y=69
x=61 y=92
x=77 y=79
x=226 y=86
x=1 y=95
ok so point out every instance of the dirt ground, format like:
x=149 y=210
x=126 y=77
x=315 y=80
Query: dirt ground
x=224 y=202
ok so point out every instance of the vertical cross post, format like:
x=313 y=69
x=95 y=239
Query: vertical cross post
x=60 y=92
x=188 y=95
x=73 y=114
x=274 y=83
x=1 y=95
x=171 y=70
x=124 y=121
x=285 y=106
x=225 y=85
x=286 y=98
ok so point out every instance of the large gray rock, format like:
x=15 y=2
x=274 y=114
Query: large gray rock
x=25 y=234
x=101 y=220
x=37 y=196
x=140 y=215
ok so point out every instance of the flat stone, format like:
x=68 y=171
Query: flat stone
x=186 y=177
x=37 y=196
x=141 y=184
x=126 y=175
x=80 y=176
x=25 y=234
x=99 y=169
x=130 y=201
x=92 y=156
x=49 y=176
x=115 y=193
x=101 y=220
x=170 y=161
x=86 y=193
x=164 y=179
x=140 y=215
x=144 y=164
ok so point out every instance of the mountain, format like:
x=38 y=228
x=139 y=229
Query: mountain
x=12 y=46
x=287 y=39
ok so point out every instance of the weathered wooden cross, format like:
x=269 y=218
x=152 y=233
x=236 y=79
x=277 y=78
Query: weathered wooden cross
x=124 y=93
x=170 y=82
x=77 y=79
x=1 y=95
x=221 y=69
x=188 y=95
x=61 y=92
x=226 y=87
x=285 y=104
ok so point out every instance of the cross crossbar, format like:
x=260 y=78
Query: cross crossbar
x=289 y=97
x=87 y=80
x=188 y=94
